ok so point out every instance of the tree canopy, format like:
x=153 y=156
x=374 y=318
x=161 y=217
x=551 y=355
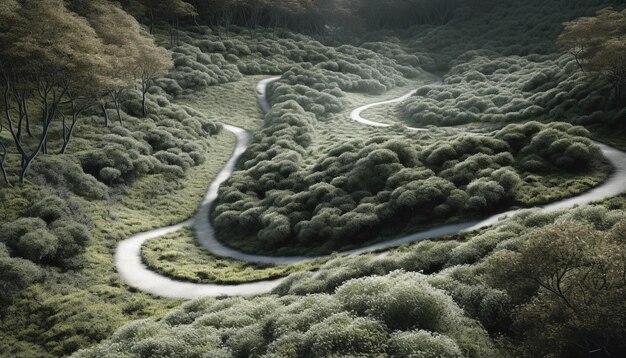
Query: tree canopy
x=56 y=54
x=598 y=43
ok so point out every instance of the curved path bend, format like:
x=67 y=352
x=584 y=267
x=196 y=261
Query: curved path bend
x=128 y=253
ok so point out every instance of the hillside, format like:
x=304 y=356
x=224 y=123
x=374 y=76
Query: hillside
x=339 y=178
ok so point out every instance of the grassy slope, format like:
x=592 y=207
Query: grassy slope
x=79 y=308
x=178 y=256
x=337 y=272
x=231 y=103
x=86 y=306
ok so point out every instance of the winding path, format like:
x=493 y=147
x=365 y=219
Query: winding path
x=128 y=253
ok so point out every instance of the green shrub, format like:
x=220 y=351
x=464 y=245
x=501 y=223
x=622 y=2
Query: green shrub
x=342 y=334
x=402 y=301
x=13 y=231
x=423 y=344
x=37 y=245
x=50 y=208
x=15 y=275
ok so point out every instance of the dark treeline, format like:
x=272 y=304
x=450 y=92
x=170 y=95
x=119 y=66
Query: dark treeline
x=311 y=16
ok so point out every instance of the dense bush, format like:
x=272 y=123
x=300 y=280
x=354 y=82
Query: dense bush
x=543 y=147
x=171 y=141
x=486 y=87
x=504 y=66
x=195 y=69
x=359 y=187
x=310 y=326
x=423 y=344
x=588 y=291
x=15 y=275
x=50 y=235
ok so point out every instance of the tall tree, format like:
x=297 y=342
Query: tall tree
x=572 y=280
x=120 y=49
x=598 y=44
x=3 y=157
x=150 y=63
x=47 y=48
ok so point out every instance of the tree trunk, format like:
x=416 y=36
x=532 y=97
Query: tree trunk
x=144 y=90
x=4 y=174
x=44 y=147
x=28 y=159
x=177 y=32
x=151 y=22
x=68 y=136
x=103 y=106
x=21 y=116
x=115 y=95
x=618 y=89
x=27 y=116
x=2 y=168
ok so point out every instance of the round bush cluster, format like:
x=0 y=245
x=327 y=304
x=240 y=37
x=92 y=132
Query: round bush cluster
x=195 y=69
x=311 y=326
x=172 y=140
x=358 y=187
x=48 y=234
x=552 y=147
x=486 y=87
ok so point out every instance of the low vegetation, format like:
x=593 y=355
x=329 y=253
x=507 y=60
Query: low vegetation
x=339 y=202
x=178 y=256
x=445 y=295
x=118 y=132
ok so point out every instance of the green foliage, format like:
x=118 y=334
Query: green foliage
x=309 y=326
x=15 y=275
x=486 y=87
x=344 y=335
x=51 y=235
x=37 y=245
x=573 y=286
x=178 y=256
x=49 y=209
x=402 y=303
x=423 y=344
x=276 y=202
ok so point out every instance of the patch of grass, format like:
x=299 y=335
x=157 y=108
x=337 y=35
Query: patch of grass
x=538 y=190
x=178 y=256
x=611 y=135
x=232 y=103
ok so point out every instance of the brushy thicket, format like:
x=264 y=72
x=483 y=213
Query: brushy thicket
x=397 y=315
x=49 y=233
x=434 y=298
x=173 y=139
x=55 y=230
x=362 y=186
x=274 y=200
x=508 y=69
x=430 y=299
x=52 y=232
x=485 y=87
x=433 y=257
x=495 y=276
